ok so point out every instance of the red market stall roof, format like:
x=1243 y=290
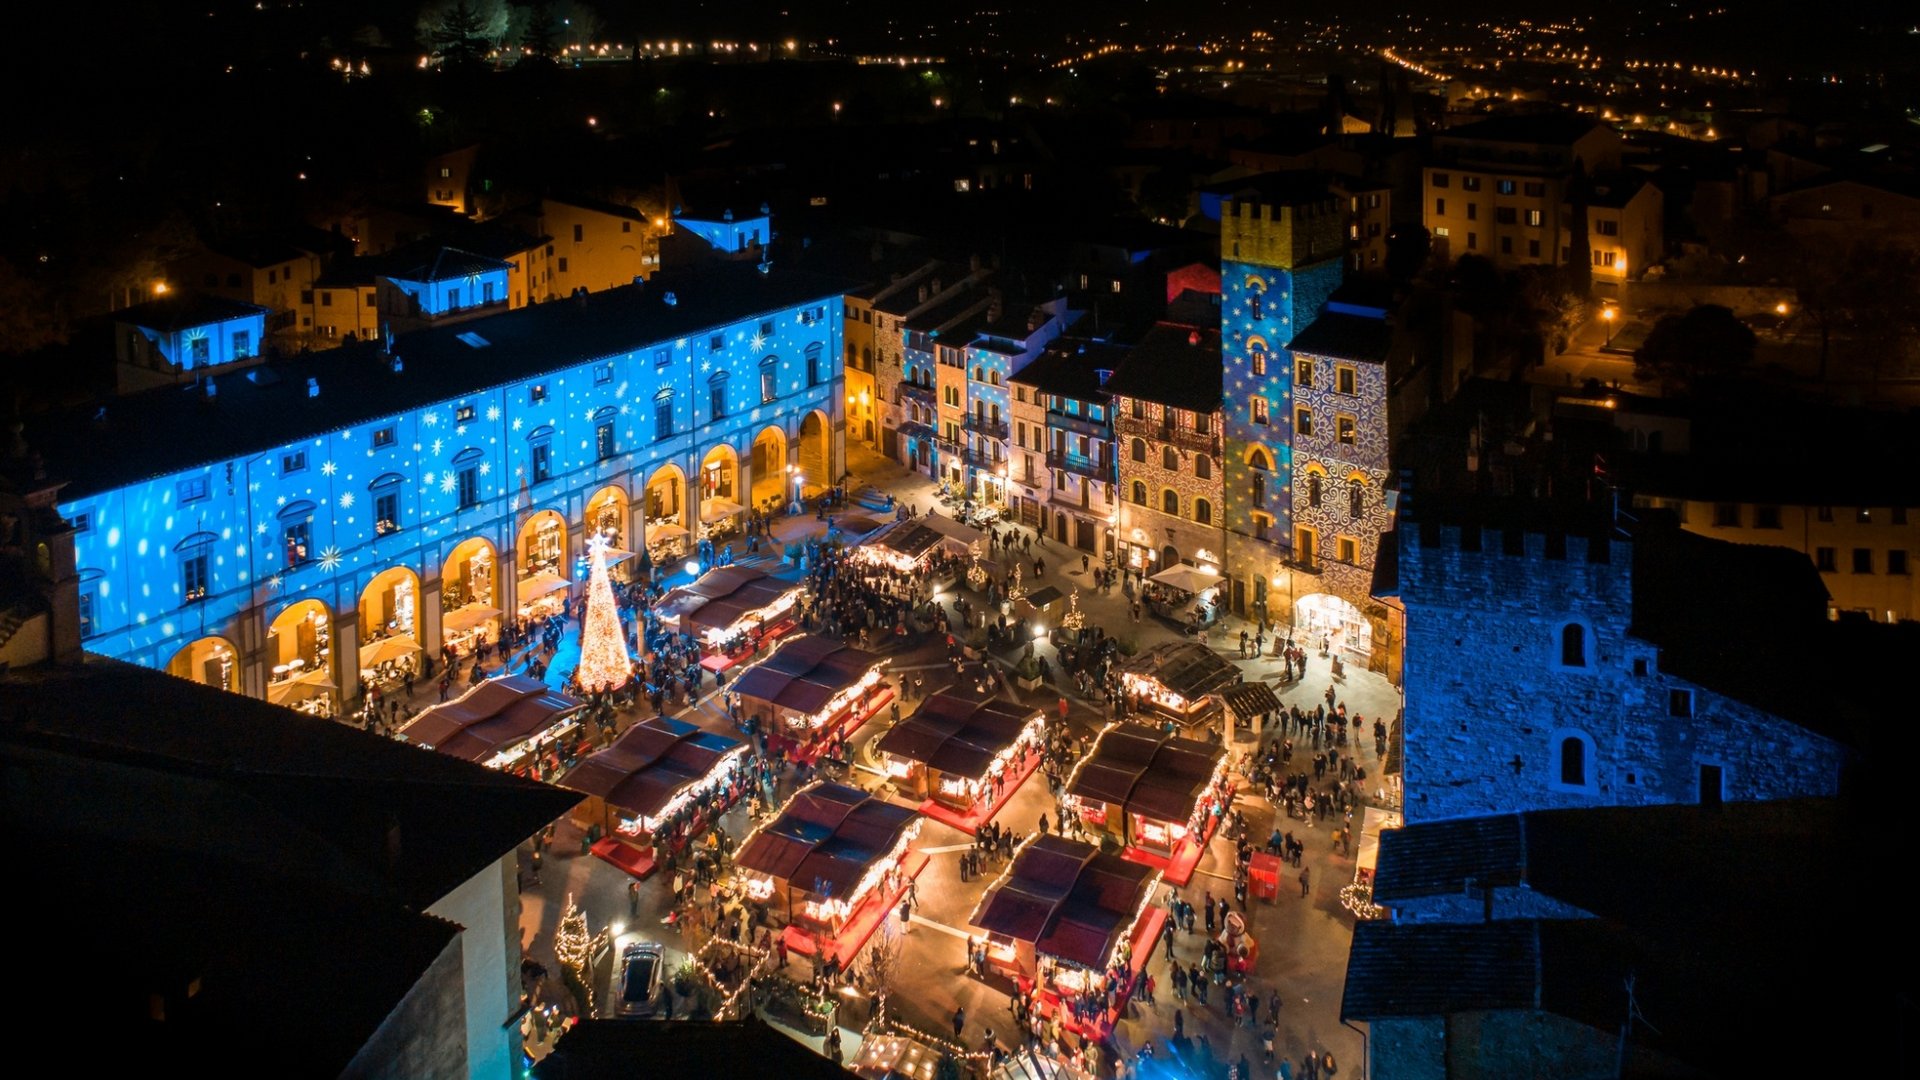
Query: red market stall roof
x=1067 y=898
x=806 y=673
x=723 y=596
x=825 y=839
x=958 y=735
x=1147 y=772
x=653 y=762
x=491 y=717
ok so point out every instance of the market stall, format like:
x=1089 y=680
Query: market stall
x=512 y=723
x=1185 y=594
x=831 y=861
x=1178 y=682
x=913 y=546
x=732 y=610
x=543 y=594
x=1357 y=896
x=1161 y=796
x=1064 y=916
x=660 y=784
x=1248 y=703
x=965 y=756
x=811 y=690
x=666 y=542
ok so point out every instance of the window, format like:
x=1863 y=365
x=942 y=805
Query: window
x=1897 y=515
x=299 y=540
x=1607 y=228
x=563 y=264
x=1139 y=450
x=464 y=414
x=86 y=613
x=1316 y=488
x=1863 y=516
x=1440 y=207
x=1506 y=215
x=1504 y=187
x=386 y=513
x=1469 y=183
x=1356 y=499
x=662 y=358
x=717 y=397
x=1303 y=421
x=1575 y=649
x=1573 y=762
x=1170 y=502
x=1441 y=179
x=1766 y=517
x=1726 y=515
x=1533 y=219
x=716 y=342
x=1303 y=545
x=1863 y=560
x=813 y=363
x=770 y=379
x=469 y=487
x=1303 y=373
x=1347 y=379
x=1604 y=259
x=1712 y=784
x=1343 y=429
x=1680 y=703
x=1533 y=249
x=1473 y=211
x=1824 y=513
x=603 y=440
x=242 y=344
x=1259 y=406
x=445 y=172
x=80 y=522
x=1169 y=459
x=1897 y=561
x=766 y=328
x=1347 y=550
x=1259 y=360
x=1473 y=241
x=542 y=459
x=1203 y=466
x=1138 y=496
x=603 y=374
x=1202 y=511
x=579 y=233
x=1506 y=245
x=193 y=576
x=1825 y=559
x=1258 y=495
x=1534 y=189
x=1442 y=231
x=294 y=462
x=663 y=415
x=192 y=489
x=383 y=436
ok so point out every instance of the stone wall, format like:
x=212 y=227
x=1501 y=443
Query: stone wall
x=1409 y=1048
x=1490 y=707
x=426 y=1036
x=1470 y=906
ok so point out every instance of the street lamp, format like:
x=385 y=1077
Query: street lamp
x=1607 y=315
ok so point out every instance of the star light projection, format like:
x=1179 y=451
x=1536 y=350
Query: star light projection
x=604 y=663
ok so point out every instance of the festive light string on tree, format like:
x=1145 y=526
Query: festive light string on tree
x=1073 y=620
x=604 y=663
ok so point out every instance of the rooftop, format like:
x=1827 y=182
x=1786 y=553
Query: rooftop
x=1345 y=337
x=184 y=311
x=1552 y=128
x=171 y=429
x=1070 y=367
x=1174 y=365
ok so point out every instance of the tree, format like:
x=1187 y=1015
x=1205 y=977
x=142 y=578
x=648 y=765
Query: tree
x=604 y=663
x=27 y=320
x=1862 y=295
x=536 y=38
x=1408 y=247
x=1695 y=347
x=1552 y=304
x=463 y=34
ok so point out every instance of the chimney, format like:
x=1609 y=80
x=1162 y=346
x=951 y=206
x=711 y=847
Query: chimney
x=313 y=387
x=395 y=365
x=670 y=298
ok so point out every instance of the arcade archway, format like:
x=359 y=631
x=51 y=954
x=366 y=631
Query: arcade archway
x=1344 y=628
x=389 y=626
x=720 y=493
x=469 y=596
x=665 y=501
x=542 y=565
x=769 y=467
x=816 y=453
x=300 y=656
x=210 y=661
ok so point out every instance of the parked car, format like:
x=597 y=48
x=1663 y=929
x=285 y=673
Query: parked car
x=640 y=969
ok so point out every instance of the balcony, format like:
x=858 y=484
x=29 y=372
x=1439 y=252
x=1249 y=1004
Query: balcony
x=986 y=425
x=980 y=459
x=916 y=392
x=1080 y=466
x=1199 y=442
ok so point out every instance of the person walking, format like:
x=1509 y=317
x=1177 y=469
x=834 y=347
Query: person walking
x=1304 y=872
x=959 y=1021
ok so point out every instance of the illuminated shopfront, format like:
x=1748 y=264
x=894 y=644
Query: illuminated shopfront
x=827 y=849
x=543 y=566
x=209 y=662
x=954 y=749
x=469 y=603
x=1148 y=789
x=300 y=658
x=389 y=626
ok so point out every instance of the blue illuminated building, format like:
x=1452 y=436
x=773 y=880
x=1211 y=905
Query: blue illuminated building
x=293 y=529
x=182 y=337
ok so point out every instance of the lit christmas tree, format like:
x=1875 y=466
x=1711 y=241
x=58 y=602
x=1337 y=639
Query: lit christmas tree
x=604 y=664
x=1073 y=620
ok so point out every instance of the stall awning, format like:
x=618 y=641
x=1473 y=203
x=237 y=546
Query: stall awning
x=957 y=735
x=716 y=509
x=1040 y=598
x=1250 y=699
x=1191 y=669
x=1188 y=579
x=653 y=762
x=829 y=829
x=541 y=584
x=721 y=598
x=397 y=647
x=616 y=556
x=491 y=717
x=805 y=673
x=1067 y=898
x=461 y=620
x=663 y=530
x=1147 y=772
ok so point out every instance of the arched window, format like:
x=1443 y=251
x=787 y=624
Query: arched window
x=1139 y=493
x=769 y=379
x=1573 y=761
x=1573 y=645
x=1139 y=449
x=1203 y=466
x=1356 y=499
x=1170 y=502
x=1314 y=489
x=1203 y=511
x=469 y=456
x=1259 y=460
x=1259 y=493
x=1169 y=459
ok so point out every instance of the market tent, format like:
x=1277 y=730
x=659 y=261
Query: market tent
x=463 y=619
x=496 y=715
x=958 y=735
x=806 y=673
x=906 y=540
x=826 y=839
x=1250 y=699
x=722 y=597
x=1066 y=898
x=955 y=533
x=396 y=647
x=663 y=530
x=1186 y=578
x=808 y=819
x=653 y=762
x=1147 y=772
x=1190 y=669
x=541 y=584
